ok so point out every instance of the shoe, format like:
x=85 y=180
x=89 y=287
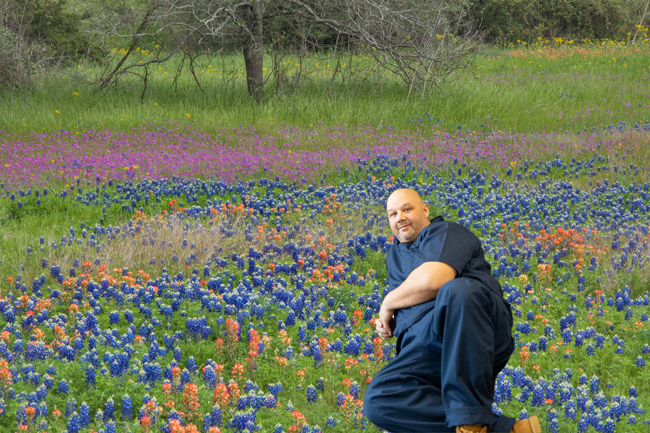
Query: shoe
x=471 y=428
x=527 y=425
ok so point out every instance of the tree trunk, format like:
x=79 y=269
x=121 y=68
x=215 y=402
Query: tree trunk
x=254 y=51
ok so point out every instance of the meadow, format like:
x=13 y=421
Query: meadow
x=190 y=261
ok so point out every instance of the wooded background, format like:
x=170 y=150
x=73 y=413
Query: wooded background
x=421 y=42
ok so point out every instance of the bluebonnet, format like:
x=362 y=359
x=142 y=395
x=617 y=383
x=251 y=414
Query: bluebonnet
x=523 y=414
x=242 y=419
x=109 y=409
x=594 y=384
x=355 y=389
x=99 y=417
x=209 y=377
x=249 y=385
x=84 y=415
x=591 y=349
x=302 y=333
x=583 y=423
x=191 y=364
x=553 y=425
x=609 y=427
x=312 y=395
x=353 y=345
x=315 y=351
x=216 y=415
x=537 y=396
x=502 y=391
x=48 y=381
x=600 y=400
x=74 y=424
x=207 y=422
x=127 y=407
x=288 y=352
x=270 y=401
x=114 y=317
x=524 y=327
x=63 y=386
x=111 y=427
x=185 y=377
x=42 y=409
x=275 y=388
x=542 y=343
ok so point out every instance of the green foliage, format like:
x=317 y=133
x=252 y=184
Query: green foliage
x=49 y=22
x=526 y=20
x=39 y=32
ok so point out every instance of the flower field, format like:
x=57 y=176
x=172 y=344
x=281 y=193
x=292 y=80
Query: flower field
x=176 y=278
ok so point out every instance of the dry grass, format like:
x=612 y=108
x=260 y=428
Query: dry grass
x=178 y=242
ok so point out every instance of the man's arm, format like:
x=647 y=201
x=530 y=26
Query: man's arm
x=420 y=286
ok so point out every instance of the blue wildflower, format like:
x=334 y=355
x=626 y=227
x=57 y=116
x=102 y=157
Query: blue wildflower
x=84 y=415
x=127 y=407
x=312 y=395
x=74 y=424
x=63 y=386
x=109 y=409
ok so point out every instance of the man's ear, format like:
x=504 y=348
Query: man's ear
x=426 y=209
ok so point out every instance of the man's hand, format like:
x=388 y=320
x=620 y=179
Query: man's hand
x=421 y=285
x=386 y=322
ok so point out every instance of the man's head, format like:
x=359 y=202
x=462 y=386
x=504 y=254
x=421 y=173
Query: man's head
x=407 y=214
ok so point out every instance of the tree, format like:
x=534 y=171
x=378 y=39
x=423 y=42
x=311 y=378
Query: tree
x=35 y=34
x=422 y=42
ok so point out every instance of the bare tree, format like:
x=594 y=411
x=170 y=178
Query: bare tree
x=420 y=41
x=417 y=40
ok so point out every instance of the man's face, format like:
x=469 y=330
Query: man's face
x=407 y=214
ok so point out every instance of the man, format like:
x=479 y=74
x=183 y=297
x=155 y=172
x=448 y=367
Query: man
x=453 y=329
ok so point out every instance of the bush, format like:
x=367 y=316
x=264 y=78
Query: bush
x=38 y=32
x=49 y=23
x=526 y=20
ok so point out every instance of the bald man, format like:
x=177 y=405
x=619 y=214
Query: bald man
x=453 y=329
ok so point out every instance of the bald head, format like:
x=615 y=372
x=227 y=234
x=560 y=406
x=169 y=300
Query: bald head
x=407 y=214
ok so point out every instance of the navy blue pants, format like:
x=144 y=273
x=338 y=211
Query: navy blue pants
x=446 y=365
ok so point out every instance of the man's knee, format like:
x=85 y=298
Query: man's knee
x=463 y=293
x=372 y=406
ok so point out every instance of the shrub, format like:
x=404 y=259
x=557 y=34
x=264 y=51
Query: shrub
x=38 y=32
x=511 y=20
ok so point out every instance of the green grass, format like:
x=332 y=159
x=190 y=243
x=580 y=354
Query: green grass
x=551 y=88
x=555 y=89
